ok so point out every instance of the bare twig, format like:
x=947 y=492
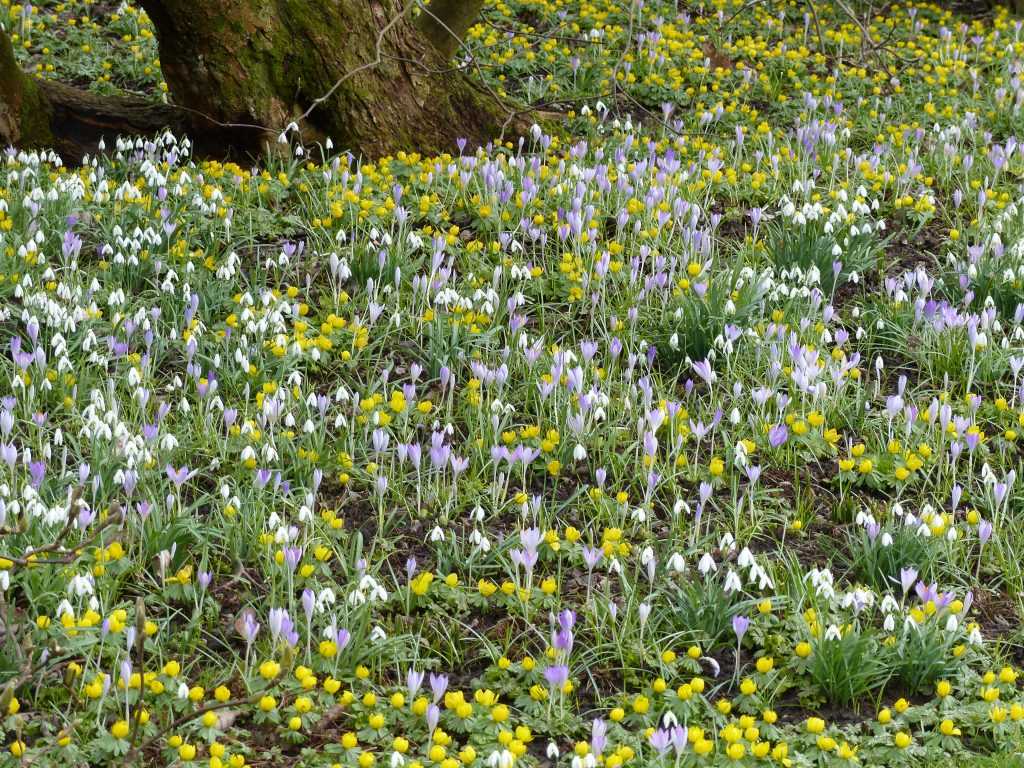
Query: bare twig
x=115 y=517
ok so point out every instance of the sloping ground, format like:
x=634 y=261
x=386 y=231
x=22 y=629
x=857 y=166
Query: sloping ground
x=685 y=435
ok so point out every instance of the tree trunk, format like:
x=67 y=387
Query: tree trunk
x=445 y=23
x=355 y=71
x=24 y=113
x=42 y=114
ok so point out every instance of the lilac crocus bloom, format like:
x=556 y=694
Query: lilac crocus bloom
x=598 y=739
x=282 y=627
x=778 y=435
x=292 y=556
x=984 y=532
x=680 y=736
x=177 y=476
x=37 y=470
x=999 y=491
x=926 y=592
x=907 y=578
x=592 y=556
x=557 y=675
x=438 y=685
x=661 y=740
x=413 y=681
x=740 y=625
x=342 y=638
x=433 y=716
x=704 y=369
x=250 y=628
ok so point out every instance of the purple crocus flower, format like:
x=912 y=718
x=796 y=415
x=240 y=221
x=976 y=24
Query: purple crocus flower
x=680 y=736
x=177 y=476
x=926 y=592
x=282 y=627
x=598 y=739
x=907 y=578
x=250 y=628
x=984 y=531
x=438 y=685
x=592 y=556
x=413 y=681
x=556 y=675
x=740 y=625
x=292 y=556
x=37 y=470
x=704 y=369
x=778 y=435
x=342 y=638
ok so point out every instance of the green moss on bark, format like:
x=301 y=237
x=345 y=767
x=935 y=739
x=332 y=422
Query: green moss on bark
x=365 y=75
x=445 y=23
x=24 y=112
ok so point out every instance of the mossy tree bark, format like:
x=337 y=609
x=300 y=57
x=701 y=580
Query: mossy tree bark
x=37 y=114
x=24 y=115
x=356 y=71
x=446 y=22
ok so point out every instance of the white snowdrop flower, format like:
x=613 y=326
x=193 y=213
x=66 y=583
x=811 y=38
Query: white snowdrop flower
x=437 y=534
x=676 y=563
x=746 y=558
x=732 y=582
x=480 y=541
x=740 y=452
x=325 y=599
x=80 y=586
x=760 y=576
x=707 y=564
